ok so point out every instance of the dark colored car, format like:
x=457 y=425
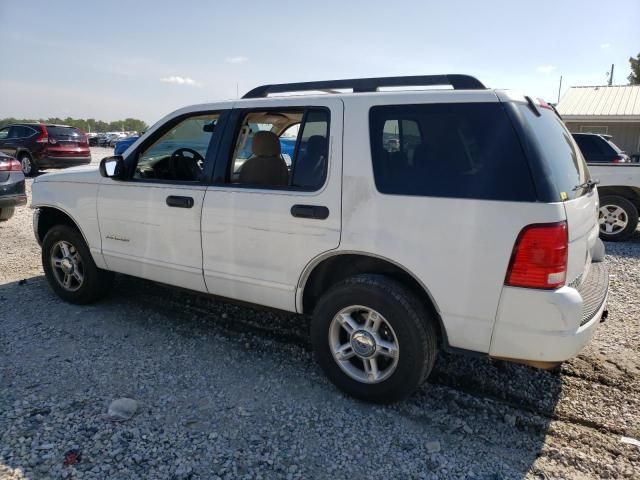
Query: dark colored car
x=38 y=145
x=598 y=148
x=92 y=140
x=12 y=193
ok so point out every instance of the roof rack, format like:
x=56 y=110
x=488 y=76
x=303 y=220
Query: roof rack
x=359 y=85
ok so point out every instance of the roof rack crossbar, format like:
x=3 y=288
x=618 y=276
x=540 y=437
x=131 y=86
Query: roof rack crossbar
x=360 y=85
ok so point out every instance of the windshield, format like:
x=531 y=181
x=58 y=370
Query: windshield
x=559 y=152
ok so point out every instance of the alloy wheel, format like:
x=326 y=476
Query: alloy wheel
x=612 y=219
x=363 y=344
x=67 y=264
x=26 y=165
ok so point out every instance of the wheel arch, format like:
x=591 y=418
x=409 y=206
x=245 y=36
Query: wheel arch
x=629 y=192
x=333 y=267
x=49 y=216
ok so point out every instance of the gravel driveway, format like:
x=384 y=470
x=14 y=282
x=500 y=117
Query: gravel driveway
x=222 y=391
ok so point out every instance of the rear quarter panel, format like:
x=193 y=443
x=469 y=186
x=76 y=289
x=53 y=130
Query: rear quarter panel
x=459 y=249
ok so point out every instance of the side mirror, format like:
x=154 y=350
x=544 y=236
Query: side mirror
x=209 y=127
x=112 y=167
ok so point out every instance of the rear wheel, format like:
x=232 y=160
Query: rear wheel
x=29 y=168
x=618 y=218
x=373 y=338
x=70 y=269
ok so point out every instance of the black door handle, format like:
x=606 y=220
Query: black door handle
x=180 y=202
x=310 y=211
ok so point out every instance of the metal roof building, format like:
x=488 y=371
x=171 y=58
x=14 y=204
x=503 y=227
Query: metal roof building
x=611 y=110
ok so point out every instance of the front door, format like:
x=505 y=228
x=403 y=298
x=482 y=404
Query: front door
x=275 y=203
x=150 y=222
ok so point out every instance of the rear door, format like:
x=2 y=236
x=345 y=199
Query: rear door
x=566 y=170
x=259 y=231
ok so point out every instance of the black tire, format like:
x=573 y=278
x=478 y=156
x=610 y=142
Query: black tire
x=413 y=325
x=631 y=213
x=6 y=213
x=29 y=167
x=96 y=282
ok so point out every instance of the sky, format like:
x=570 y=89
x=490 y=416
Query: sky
x=144 y=59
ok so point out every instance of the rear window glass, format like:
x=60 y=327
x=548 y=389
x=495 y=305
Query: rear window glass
x=558 y=150
x=63 y=132
x=458 y=150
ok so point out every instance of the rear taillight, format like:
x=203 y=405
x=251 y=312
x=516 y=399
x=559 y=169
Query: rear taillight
x=539 y=258
x=10 y=165
x=43 y=136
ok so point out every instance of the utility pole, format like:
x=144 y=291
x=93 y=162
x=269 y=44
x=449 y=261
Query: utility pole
x=611 y=75
x=559 y=89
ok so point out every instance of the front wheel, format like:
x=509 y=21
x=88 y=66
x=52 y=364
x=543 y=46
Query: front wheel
x=618 y=218
x=373 y=338
x=70 y=269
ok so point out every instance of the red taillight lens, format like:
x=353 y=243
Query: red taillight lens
x=10 y=165
x=539 y=258
x=43 y=137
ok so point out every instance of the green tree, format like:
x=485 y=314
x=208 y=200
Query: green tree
x=87 y=125
x=634 y=77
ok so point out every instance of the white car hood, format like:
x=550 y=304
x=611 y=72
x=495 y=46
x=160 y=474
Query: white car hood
x=84 y=174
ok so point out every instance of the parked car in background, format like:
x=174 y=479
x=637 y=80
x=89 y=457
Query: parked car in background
x=12 y=192
x=618 y=187
x=116 y=138
x=124 y=143
x=39 y=145
x=619 y=191
x=406 y=222
x=597 y=148
x=92 y=139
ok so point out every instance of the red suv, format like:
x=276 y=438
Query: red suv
x=38 y=145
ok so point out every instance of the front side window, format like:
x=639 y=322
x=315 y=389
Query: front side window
x=179 y=153
x=449 y=150
x=281 y=149
x=4 y=133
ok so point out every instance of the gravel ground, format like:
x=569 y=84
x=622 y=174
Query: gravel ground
x=222 y=391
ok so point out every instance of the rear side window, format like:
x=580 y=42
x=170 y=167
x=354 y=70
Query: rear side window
x=593 y=145
x=462 y=150
x=64 y=133
x=558 y=151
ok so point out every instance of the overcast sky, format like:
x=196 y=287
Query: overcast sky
x=146 y=58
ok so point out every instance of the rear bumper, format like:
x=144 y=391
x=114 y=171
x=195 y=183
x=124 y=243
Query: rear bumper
x=61 y=162
x=13 y=200
x=12 y=193
x=538 y=326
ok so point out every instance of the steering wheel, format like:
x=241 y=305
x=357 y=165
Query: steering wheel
x=181 y=166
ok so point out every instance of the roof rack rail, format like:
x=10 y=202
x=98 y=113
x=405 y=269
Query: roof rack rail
x=360 y=85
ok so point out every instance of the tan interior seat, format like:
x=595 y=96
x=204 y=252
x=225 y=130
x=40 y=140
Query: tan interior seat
x=265 y=166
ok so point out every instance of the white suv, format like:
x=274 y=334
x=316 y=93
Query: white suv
x=403 y=221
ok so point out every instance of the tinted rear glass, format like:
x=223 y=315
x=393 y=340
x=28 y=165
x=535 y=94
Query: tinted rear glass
x=64 y=133
x=558 y=151
x=457 y=150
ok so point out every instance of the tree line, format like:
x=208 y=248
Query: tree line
x=87 y=125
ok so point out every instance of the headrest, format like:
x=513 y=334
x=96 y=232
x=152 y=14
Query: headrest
x=316 y=144
x=265 y=144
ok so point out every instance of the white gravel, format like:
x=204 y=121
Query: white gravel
x=222 y=391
